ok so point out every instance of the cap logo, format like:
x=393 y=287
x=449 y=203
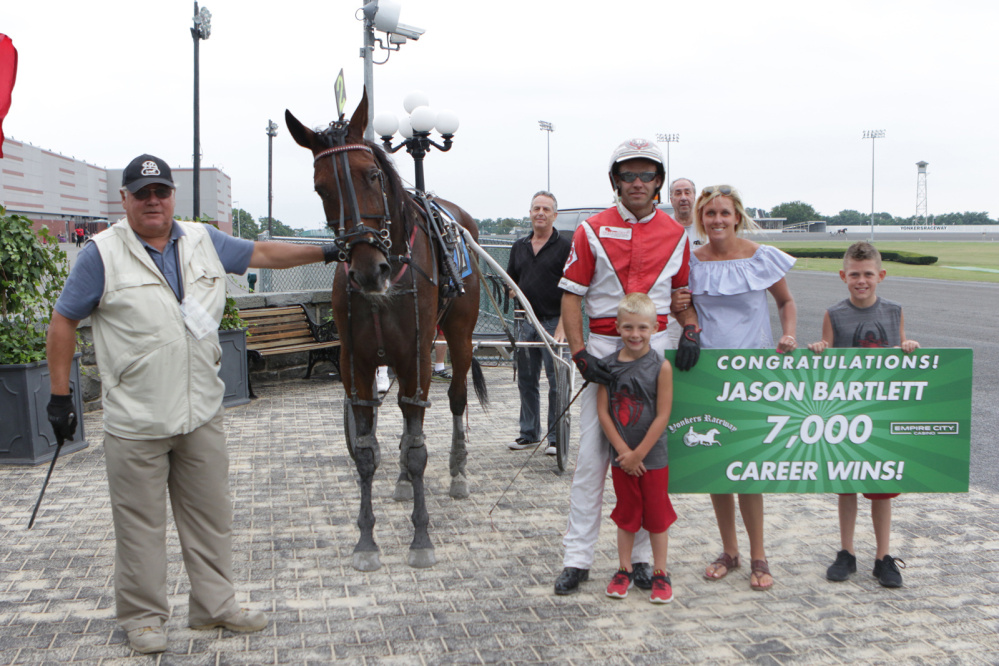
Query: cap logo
x=638 y=144
x=150 y=168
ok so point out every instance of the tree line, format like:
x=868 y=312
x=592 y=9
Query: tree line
x=799 y=211
x=244 y=226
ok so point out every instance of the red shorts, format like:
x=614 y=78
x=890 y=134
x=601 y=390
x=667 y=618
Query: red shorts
x=642 y=501
x=876 y=496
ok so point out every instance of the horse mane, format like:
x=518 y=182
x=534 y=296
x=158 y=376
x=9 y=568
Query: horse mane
x=401 y=205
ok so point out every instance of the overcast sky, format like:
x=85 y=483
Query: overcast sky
x=771 y=97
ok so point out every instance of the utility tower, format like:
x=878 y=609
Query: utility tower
x=921 y=191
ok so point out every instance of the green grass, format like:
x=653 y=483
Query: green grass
x=973 y=254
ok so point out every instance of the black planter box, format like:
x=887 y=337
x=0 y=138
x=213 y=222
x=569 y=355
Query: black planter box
x=26 y=437
x=234 y=371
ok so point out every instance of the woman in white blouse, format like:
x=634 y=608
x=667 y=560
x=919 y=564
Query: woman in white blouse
x=729 y=279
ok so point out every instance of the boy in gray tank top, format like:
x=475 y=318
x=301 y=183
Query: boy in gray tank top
x=633 y=411
x=864 y=320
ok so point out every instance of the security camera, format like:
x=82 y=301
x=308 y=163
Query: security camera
x=410 y=31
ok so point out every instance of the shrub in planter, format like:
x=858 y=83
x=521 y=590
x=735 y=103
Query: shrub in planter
x=32 y=272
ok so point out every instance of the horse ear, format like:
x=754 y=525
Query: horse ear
x=359 y=121
x=303 y=135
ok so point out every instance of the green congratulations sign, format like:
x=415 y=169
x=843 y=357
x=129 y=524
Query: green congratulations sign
x=847 y=420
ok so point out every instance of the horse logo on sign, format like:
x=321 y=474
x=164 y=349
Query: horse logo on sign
x=692 y=438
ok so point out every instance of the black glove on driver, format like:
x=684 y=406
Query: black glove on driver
x=689 y=348
x=591 y=367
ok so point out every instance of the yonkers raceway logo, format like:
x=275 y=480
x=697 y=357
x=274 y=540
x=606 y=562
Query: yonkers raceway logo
x=702 y=430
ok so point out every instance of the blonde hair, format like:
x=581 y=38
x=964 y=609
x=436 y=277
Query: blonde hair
x=746 y=222
x=639 y=304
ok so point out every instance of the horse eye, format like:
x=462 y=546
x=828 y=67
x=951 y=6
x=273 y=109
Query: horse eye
x=373 y=174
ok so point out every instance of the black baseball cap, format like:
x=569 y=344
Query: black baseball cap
x=146 y=170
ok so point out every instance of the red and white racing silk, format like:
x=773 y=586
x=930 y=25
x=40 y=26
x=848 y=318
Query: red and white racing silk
x=612 y=257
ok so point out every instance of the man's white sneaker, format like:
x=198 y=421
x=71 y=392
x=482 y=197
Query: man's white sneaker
x=148 y=639
x=242 y=620
x=382 y=379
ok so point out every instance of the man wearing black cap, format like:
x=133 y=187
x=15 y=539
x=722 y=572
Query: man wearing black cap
x=154 y=289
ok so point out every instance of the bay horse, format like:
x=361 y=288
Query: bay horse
x=387 y=305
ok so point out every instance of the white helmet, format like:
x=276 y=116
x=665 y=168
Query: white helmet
x=635 y=149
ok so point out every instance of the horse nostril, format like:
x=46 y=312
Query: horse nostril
x=384 y=269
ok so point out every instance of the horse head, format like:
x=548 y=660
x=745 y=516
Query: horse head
x=360 y=199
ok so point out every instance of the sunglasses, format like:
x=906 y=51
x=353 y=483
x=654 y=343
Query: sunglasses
x=723 y=190
x=161 y=192
x=630 y=176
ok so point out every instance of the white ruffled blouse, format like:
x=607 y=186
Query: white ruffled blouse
x=731 y=298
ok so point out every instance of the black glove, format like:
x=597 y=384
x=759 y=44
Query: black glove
x=591 y=367
x=330 y=253
x=62 y=416
x=689 y=349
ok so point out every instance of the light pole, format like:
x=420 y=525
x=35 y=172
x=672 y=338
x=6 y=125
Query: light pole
x=382 y=15
x=548 y=127
x=271 y=133
x=667 y=139
x=201 y=30
x=872 y=135
x=415 y=130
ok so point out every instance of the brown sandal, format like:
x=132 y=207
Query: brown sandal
x=723 y=560
x=759 y=568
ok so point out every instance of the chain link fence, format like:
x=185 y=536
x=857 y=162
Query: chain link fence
x=319 y=276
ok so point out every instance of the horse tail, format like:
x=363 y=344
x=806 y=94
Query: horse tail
x=479 y=383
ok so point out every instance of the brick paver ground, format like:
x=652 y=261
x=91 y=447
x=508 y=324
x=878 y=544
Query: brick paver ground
x=489 y=599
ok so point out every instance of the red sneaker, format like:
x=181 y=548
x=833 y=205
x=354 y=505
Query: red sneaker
x=662 y=589
x=620 y=584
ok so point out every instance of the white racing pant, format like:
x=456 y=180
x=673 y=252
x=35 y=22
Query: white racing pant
x=586 y=496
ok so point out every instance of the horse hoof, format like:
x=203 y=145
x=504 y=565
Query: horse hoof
x=421 y=558
x=459 y=487
x=403 y=491
x=367 y=560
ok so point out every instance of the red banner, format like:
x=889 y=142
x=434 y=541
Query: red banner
x=8 y=72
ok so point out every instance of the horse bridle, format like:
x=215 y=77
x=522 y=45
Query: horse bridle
x=359 y=232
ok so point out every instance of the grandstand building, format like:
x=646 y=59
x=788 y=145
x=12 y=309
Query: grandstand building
x=62 y=193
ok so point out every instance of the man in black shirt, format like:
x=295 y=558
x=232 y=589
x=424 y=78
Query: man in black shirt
x=536 y=263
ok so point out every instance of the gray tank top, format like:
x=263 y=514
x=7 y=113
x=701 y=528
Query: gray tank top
x=877 y=326
x=632 y=396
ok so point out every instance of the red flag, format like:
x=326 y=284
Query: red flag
x=8 y=72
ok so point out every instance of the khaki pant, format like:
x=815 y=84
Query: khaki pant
x=195 y=468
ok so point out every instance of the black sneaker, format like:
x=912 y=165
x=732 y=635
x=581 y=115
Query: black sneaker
x=520 y=443
x=844 y=565
x=440 y=375
x=886 y=571
x=568 y=581
x=642 y=575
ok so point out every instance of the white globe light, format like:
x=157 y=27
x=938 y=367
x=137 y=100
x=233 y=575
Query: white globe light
x=415 y=99
x=405 y=129
x=423 y=119
x=447 y=122
x=386 y=124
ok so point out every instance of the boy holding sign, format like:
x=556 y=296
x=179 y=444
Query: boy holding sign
x=633 y=411
x=864 y=320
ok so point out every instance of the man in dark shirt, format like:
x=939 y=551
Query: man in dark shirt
x=535 y=264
